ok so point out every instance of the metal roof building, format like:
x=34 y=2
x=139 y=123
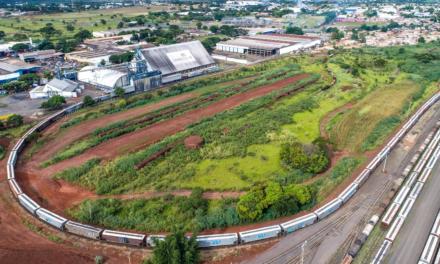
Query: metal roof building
x=105 y=78
x=268 y=44
x=65 y=88
x=179 y=61
x=94 y=57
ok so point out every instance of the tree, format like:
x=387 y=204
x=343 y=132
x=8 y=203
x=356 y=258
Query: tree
x=14 y=120
x=119 y=92
x=311 y=158
x=88 y=101
x=15 y=86
x=29 y=78
x=65 y=45
x=249 y=206
x=337 y=35
x=82 y=35
x=421 y=40
x=121 y=58
x=70 y=27
x=176 y=248
x=210 y=42
x=294 y=30
x=120 y=24
x=20 y=47
x=370 y=13
x=48 y=31
x=55 y=102
x=45 y=45
x=199 y=25
x=2 y=34
x=103 y=21
x=213 y=29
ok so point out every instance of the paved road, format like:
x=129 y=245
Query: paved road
x=329 y=240
x=411 y=239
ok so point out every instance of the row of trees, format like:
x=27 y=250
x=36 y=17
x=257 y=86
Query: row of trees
x=157 y=36
x=121 y=58
x=23 y=83
x=53 y=39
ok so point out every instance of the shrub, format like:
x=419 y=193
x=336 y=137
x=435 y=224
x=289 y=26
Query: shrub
x=2 y=152
x=271 y=200
x=312 y=158
x=176 y=248
x=55 y=102
x=14 y=120
x=88 y=101
x=119 y=92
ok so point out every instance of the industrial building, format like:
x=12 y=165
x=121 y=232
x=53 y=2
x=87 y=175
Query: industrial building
x=268 y=44
x=151 y=68
x=115 y=32
x=106 y=79
x=65 y=88
x=94 y=57
x=41 y=56
x=11 y=70
x=179 y=61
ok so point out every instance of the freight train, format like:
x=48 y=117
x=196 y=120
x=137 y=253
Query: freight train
x=204 y=241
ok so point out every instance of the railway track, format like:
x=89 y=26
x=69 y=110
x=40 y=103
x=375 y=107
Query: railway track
x=231 y=239
x=315 y=240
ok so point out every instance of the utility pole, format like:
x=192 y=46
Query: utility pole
x=385 y=164
x=302 y=251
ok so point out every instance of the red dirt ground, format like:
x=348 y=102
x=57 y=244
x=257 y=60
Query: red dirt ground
x=19 y=244
x=75 y=133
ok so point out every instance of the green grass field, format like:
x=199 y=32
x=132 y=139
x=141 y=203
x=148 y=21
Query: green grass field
x=90 y=20
x=354 y=126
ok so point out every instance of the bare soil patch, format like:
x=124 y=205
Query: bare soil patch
x=81 y=130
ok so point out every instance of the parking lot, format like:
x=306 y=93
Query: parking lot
x=21 y=103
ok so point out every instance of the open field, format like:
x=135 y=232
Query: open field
x=90 y=20
x=352 y=128
x=247 y=119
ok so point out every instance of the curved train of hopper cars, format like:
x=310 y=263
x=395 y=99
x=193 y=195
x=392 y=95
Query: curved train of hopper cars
x=204 y=241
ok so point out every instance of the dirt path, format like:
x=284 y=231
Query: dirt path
x=329 y=116
x=140 y=139
x=81 y=130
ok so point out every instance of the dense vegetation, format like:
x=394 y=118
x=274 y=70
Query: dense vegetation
x=53 y=103
x=176 y=248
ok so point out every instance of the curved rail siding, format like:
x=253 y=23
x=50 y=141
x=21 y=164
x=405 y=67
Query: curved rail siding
x=204 y=241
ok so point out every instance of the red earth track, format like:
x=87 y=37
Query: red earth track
x=87 y=127
x=141 y=138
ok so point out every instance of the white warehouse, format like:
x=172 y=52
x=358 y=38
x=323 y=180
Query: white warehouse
x=65 y=88
x=268 y=44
